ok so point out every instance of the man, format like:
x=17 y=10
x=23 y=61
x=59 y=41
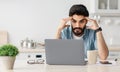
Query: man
x=92 y=35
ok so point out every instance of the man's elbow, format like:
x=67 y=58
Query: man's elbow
x=104 y=56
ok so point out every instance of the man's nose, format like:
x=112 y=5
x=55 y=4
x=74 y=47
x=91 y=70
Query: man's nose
x=77 y=24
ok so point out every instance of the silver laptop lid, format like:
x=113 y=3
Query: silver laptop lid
x=64 y=52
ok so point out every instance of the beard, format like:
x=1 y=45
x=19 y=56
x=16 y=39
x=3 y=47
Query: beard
x=78 y=31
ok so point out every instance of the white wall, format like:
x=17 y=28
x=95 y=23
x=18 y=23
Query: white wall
x=36 y=19
x=111 y=27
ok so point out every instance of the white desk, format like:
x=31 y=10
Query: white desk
x=24 y=67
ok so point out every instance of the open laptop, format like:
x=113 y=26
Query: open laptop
x=64 y=52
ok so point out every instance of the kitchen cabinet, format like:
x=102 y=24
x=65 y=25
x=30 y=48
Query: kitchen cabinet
x=105 y=7
x=114 y=53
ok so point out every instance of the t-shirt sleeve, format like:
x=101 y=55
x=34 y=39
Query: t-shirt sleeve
x=95 y=40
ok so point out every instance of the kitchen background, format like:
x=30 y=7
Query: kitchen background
x=39 y=19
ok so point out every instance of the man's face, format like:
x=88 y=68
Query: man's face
x=78 y=24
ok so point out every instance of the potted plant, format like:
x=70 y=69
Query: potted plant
x=8 y=54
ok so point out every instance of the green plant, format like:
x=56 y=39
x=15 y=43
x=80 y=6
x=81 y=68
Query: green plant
x=8 y=50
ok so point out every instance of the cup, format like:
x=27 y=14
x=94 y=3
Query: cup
x=92 y=56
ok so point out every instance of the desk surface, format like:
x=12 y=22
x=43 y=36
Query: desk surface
x=24 y=67
x=41 y=49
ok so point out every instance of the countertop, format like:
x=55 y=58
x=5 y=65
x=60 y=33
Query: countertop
x=21 y=66
x=115 y=48
x=41 y=49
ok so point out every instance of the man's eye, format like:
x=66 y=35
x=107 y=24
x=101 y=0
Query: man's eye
x=83 y=21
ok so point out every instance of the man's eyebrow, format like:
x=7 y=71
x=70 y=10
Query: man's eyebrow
x=73 y=19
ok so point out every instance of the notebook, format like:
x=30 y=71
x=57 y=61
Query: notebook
x=64 y=52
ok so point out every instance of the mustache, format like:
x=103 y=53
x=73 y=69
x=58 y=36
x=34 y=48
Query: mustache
x=77 y=28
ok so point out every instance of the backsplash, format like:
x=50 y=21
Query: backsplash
x=111 y=28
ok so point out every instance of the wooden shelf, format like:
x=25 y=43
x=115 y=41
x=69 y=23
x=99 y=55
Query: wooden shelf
x=28 y=50
x=114 y=49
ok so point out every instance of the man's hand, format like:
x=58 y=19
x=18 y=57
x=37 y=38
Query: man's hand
x=94 y=25
x=63 y=23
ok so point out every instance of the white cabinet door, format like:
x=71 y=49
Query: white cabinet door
x=105 y=6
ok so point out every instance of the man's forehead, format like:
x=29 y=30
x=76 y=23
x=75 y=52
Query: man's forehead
x=78 y=17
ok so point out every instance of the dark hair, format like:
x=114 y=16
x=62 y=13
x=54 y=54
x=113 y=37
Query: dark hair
x=78 y=10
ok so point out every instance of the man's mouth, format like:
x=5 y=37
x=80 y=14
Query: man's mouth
x=77 y=31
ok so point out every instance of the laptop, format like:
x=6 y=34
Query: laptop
x=64 y=52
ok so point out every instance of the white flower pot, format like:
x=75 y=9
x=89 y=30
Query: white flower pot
x=6 y=62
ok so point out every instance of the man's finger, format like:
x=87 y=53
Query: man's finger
x=88 y=27
x=67 y=19
x=89 y=19
x=67 y=25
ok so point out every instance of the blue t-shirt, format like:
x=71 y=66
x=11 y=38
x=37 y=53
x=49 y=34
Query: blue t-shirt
x=89 y=38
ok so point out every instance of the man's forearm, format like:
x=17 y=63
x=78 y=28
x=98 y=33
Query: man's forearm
x=102 y=47
x=58 y=34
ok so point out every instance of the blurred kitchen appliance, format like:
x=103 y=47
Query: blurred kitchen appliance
x=27 y=43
